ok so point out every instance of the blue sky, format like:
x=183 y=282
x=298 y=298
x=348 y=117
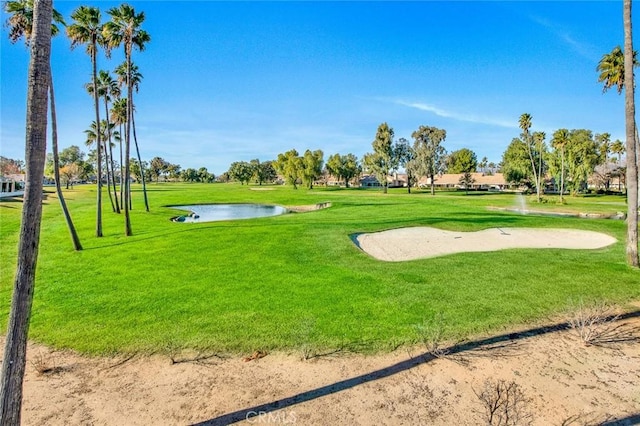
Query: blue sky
x=233 y=81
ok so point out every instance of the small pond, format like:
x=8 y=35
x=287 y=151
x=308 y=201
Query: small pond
x=216 y=212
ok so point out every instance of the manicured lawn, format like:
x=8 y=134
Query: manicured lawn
x=296 y=280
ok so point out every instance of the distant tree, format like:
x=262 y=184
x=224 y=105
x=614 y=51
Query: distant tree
x=241 y=171
x=190 y=175
x=289 y=165
x=9 y=166
x=70 y=173
x=493 y=167
x=158 y=167
x=173 y=171
x=515 y=163
x=204 y=175
x=405 y=156
x=618 y=148
x=461 y=161
x=344 y=167
x=466 y=180
x=483 y=164
x=430 y=154
x=534 y=143
x=381 y=161
x=137 y=172
x=582 y=156
x=311 y=167
x=263 y=172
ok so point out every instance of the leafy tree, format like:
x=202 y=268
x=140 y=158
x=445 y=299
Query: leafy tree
x=582 y=156
x=124 y=29
x=344 y=167
x=14 y=361
x=205 y=176
x=70 y=172
x=430 y=154
x=515 y=163
x=263 y=172
x=87 y=29
x=405 y=156
x=381 y=161
x=241 y=171
x=158 y=167
x=173 y=171
x=189 y=175
x=9 y=166
x=289 y=165
x=633 y=162
x=466 y=180
x=311 y=167
x=461 y=161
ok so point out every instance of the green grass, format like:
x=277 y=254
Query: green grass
x=295 y=280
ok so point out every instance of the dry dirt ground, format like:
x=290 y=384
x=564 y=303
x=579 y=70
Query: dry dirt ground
x=559 y=381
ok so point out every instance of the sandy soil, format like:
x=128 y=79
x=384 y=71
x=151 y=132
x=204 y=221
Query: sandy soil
x=562 y=381
x=403 y=244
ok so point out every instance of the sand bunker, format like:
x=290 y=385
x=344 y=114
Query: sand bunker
x=402 y=244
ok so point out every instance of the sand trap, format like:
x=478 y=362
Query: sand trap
x=397 y=245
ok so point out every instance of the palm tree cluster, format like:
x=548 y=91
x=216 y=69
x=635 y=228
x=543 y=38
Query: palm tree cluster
x=124 y=29
x=87 y=28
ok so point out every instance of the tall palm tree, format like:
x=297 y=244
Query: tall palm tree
x=630 y=127
x=124 y=28
x=108 y=89
x=135 y=77
x=87 y=29
x=617 y=148
x=20 y=24
x=559 y=142
x=15 y=350
x=92 y=137
x=525 y=124
x=119 y=117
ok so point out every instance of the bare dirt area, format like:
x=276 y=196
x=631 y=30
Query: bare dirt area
x=549 y=374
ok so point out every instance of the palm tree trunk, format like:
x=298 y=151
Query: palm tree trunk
x=540 y=171
x=56 y=169
x=98 y=145
x=113 y=175
x=121 y=171
x=127 y=145
x=632 y=160
x=15 y=351
x=135 y=140
x=106 y=167
x=562 y=177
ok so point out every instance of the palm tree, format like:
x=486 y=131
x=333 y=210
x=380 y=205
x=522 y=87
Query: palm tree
x=20 y=24
x=525 y=124
x=87 y=29
x=559 y=142
x=15 y=350
x=119 y=117
x=630 y=127
x=124 y=28
x=108 y=88
x=135 y=78
x=94 y=134
x=611 y=69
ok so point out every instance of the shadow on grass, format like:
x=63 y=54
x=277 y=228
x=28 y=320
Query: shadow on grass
x=248 y=413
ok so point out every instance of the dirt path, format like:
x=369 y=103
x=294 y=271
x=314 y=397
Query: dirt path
x=560 y=378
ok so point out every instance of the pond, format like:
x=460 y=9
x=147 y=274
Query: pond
x=217 y=212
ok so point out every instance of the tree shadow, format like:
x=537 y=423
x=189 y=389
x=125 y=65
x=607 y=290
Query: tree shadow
x=248 y=413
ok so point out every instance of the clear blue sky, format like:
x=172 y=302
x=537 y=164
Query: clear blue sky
x=228 y=81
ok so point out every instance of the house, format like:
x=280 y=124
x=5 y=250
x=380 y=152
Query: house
x=481 y=182
x=12 y=185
